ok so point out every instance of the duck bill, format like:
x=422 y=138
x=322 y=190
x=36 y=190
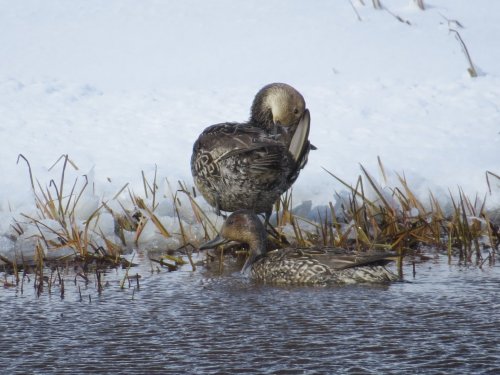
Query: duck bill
x=219 y=240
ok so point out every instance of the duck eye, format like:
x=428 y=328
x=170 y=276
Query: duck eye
x=296 y=111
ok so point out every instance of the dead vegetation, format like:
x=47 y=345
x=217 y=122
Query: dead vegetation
x=363 y=217
x=453 y=26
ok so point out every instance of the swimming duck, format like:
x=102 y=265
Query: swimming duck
x=302 y=266
x=249 y=165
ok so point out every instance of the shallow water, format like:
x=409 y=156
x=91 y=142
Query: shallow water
x=444 y=320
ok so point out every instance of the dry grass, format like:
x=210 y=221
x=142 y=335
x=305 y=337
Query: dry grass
x=355 y=11
x=369 y=217
x=420 y=4
x=401 y=222
x=471 y=69
x=55 y=226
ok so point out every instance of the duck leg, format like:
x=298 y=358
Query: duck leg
x=217 y=208
x=267 y=217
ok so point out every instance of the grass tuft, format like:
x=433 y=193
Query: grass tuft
x=365 y=216
x=56 y=226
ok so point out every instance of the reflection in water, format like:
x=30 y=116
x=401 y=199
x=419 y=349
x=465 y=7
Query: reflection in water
x=446 y=318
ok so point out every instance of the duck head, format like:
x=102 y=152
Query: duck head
x=242 y=226
x=277 y=104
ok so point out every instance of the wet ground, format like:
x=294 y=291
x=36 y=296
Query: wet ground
x=444 y=320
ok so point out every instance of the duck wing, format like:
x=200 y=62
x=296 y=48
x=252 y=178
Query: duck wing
x=241 y=154
x=246 y=145
x=362 y=259
x=339 y=259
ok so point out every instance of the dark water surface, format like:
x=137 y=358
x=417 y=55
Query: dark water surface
x=445 y=320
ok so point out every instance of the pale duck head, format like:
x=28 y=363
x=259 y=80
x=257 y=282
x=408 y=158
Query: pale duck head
x=278 y=104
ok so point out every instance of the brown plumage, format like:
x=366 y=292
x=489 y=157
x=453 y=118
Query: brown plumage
x=308 y=266
x=249 y=165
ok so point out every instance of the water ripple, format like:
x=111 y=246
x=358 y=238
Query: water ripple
x=446 y=318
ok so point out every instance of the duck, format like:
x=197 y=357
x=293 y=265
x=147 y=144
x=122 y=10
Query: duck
x=249 y=165
x=300 y=266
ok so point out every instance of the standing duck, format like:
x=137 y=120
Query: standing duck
x=311 y=266
x=249 y=165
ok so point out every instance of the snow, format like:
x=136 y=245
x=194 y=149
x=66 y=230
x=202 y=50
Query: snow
x=123 y=86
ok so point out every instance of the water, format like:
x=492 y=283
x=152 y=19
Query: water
x=444 y=320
